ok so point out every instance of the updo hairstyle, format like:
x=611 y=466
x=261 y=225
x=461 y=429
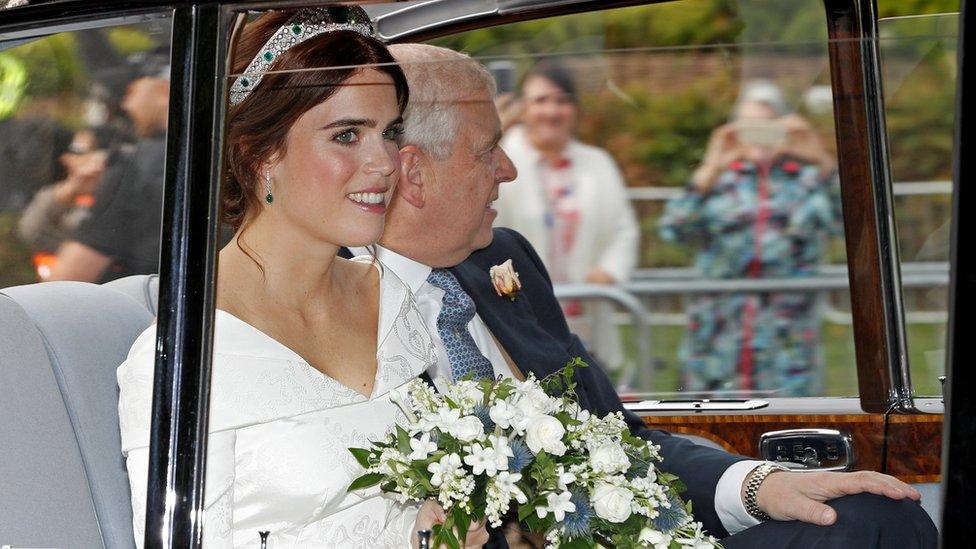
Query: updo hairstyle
x=257 y=127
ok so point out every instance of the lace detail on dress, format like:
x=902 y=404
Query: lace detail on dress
x=280 y=430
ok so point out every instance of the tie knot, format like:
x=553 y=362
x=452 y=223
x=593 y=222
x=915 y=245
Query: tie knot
x=457 y=308
x=443 y=279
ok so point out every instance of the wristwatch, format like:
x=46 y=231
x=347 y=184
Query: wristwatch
x=759 y=474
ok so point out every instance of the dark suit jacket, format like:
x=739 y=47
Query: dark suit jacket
x=533 y=331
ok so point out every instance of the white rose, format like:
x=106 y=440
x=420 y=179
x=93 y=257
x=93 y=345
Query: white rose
x=611 y=502
x=609 y=458
x=502 y=414
x=467 y=428
x=505 y=279
x=545 y=433
x=534 y=402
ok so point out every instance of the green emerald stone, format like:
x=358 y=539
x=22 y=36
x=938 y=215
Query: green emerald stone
x=268 y=198
x=245 y=82
x=296 y=29
x=268 y=56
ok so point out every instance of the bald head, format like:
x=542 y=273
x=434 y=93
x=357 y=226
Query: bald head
x=441 y=81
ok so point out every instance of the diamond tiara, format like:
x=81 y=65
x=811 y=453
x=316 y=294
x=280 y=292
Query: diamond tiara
x=302 y=26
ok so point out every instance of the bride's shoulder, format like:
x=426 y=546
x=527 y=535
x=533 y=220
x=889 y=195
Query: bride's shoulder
x=142 y=354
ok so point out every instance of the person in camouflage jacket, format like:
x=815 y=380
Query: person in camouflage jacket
x=757 y=209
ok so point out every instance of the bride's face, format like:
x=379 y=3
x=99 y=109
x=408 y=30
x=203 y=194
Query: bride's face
x=340 y=163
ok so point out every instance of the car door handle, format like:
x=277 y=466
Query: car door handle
x=809 y=449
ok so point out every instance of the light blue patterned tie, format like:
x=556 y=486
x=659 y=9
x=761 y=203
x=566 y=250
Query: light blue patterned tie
x=457 y=310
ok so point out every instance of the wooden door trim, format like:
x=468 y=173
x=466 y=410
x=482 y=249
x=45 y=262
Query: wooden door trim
x=915 y=458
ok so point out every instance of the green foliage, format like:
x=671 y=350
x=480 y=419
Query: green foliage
x=361 y=455
x=658 y=139
x=897 y=8
x=130 y=40
x=53 y=64
x=365 y=481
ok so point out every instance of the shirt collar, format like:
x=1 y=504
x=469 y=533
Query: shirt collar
x=413 y=273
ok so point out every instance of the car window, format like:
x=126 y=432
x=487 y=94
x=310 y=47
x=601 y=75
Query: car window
x=83 y=116
x=918 y=56
x=678 y=178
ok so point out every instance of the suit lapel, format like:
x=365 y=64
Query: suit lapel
x=513 y=323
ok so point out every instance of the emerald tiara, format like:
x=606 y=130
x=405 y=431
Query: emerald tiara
x=305 y=24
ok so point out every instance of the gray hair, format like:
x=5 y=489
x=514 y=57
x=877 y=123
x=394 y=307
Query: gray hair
x=440 y=80
x=762 y=91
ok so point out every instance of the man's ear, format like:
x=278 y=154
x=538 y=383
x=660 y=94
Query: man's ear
x=414 y=175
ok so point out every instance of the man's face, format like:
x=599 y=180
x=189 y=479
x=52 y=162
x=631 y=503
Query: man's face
x=466 y=183
x=146 y=102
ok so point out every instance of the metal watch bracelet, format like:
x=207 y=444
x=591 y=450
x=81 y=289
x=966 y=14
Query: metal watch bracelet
x=759 y=474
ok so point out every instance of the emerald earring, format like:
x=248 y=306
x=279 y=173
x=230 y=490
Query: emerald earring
x=268 y=197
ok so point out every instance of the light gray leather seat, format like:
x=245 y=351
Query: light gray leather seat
x=142 y=288
x=62 y=475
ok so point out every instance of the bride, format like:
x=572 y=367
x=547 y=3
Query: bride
x=307 y=346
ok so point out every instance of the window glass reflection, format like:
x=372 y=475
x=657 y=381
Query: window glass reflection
x=678 y=175
x=82 y=140
x=918 y=55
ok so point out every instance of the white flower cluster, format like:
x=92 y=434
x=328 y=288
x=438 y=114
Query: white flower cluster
x=691 y=537
x=466 y=394
x=502 y=489
x=569 y=470
x=454 y=484
x=527 y=404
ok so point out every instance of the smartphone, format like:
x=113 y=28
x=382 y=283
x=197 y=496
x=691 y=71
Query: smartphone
x=504 y=73
x=760 y=133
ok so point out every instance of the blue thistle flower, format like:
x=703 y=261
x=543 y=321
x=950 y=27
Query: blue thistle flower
x=672 y=518
x=522 y=456
x=577 y=524
x=481 y=412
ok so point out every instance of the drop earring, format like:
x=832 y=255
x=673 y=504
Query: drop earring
x=268 y=197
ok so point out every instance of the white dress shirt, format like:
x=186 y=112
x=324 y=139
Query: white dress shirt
x=728 y=501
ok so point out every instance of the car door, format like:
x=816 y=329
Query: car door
x=654 y=90
x=654 y=82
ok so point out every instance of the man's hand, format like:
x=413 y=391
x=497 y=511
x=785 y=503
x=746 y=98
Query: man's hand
x=801 y=496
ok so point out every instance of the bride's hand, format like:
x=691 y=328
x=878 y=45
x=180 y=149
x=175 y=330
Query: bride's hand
x=432 y=513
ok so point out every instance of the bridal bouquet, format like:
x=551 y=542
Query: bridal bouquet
x=580 y=480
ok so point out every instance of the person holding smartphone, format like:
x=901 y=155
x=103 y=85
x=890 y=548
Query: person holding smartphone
x=761 y=205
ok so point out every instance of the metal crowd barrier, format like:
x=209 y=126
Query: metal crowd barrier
x=628 y=296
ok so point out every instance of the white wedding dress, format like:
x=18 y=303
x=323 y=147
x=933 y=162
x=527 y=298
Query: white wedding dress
x=277 y=456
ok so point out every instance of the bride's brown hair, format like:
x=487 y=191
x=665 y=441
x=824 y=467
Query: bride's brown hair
x=258 y=125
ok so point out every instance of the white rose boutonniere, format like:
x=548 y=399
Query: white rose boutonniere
x=505 y=280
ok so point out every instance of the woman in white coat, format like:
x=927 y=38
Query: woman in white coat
x=569 y=201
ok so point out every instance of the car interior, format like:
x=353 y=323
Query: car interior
x=61 y=342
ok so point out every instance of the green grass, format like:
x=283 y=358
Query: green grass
x=838 y=353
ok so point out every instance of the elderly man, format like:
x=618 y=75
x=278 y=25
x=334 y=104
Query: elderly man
x=439 y=240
